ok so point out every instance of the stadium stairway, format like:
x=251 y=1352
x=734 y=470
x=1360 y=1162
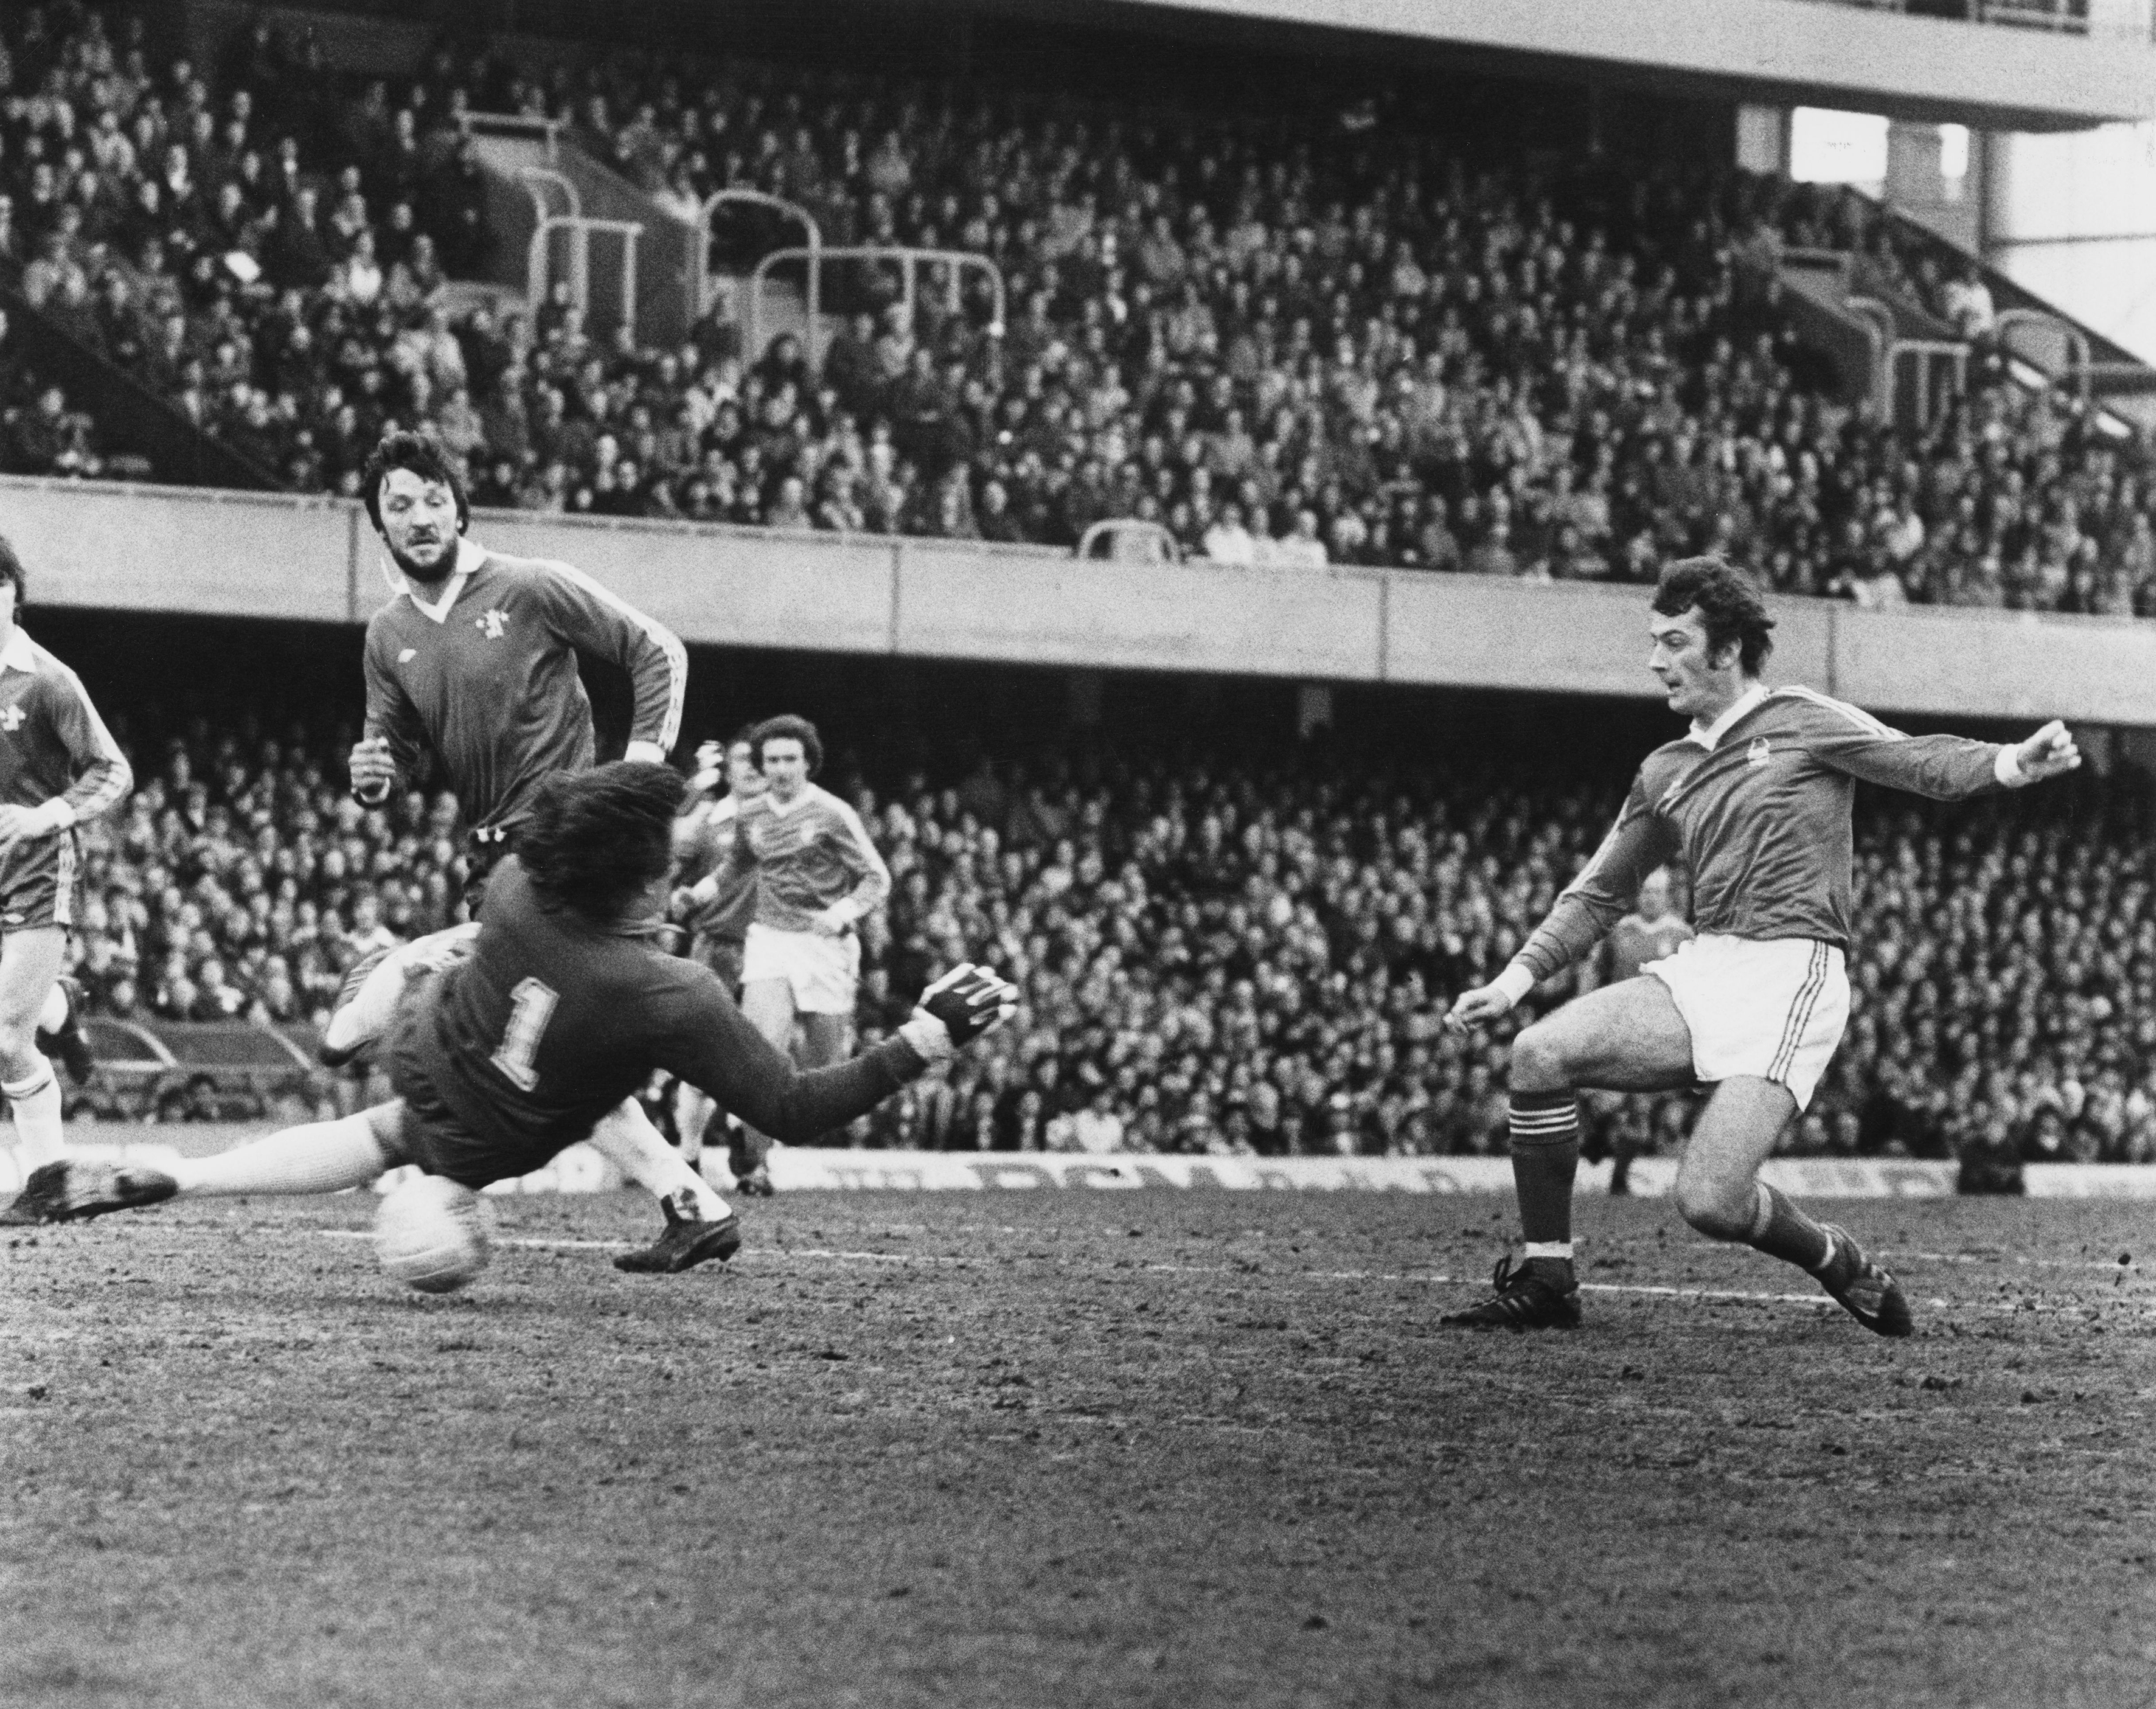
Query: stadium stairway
x=131 y=418
x=533 y=170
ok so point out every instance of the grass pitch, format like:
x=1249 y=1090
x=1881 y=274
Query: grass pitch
x=1070 y=1449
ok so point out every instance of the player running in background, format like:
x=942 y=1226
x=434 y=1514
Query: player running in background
x=1757 y=799
x=1653 y=930
x=475 y=657
x=58 y=765
x=702 y=837
x=564 y=1006
x=817 y=874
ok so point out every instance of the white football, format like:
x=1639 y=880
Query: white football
x=431 y=1233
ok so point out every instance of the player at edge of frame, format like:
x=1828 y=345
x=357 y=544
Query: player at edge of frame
x=1756 y=798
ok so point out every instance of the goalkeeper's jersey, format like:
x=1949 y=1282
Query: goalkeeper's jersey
x=1759 y=808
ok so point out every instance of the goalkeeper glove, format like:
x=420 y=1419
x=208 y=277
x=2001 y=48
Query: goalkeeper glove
x=958 y=1009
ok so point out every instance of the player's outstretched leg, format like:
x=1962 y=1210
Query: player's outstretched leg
x=1627 y=1037
x=1719 y=1193
x=322 y=1156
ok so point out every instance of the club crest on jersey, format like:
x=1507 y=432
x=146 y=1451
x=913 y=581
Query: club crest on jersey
x=492 y=623
x=1758 y=754
x=11 y=721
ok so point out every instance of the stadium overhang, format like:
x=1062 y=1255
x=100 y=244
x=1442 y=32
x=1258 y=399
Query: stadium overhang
x=1784 y=53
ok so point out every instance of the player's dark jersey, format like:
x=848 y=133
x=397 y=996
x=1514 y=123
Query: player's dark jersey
x=1762 y=818
x=551 y=1022
x=705 y=840
x=490 y=681
x=1633 y=943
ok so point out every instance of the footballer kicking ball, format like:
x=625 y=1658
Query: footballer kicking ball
x=431 y=1233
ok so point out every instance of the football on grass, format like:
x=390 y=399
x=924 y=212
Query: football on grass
x=431 y=1233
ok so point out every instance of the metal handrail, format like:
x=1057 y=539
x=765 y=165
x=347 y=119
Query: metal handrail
x=1115 y=528
x=515 y=123
x=2078 y=365
x=572 y=199
x=741 y=197
x=1879 y=327
x=1924 y=350
x=909 y=257
x=581 y=229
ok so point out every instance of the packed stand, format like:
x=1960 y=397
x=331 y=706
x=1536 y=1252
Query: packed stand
x=1296 y=341
x=40 y=434
x=1219 y=955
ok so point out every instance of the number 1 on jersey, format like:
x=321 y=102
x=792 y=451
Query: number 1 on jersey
x=530 y=1007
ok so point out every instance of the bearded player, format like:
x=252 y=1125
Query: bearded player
x=476 y=657
x=503 y=1057
x=817 y=874
x=59 y=766
x=1756 y=799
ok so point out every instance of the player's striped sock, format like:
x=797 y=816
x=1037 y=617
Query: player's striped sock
x=1545 y=1141
x=1781 y=1230
x=36 y=1098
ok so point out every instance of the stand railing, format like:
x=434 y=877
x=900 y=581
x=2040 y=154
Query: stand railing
x=581 y=230
x=909 y=261
x=794 y=211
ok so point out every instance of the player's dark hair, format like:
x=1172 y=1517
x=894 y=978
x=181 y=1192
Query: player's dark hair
x=1730 y=607
x=424 y=455
x=12 y=570
x=597 y=840
x=788 y=727
x=746 y=733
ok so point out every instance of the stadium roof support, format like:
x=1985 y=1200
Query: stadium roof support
x=1810 y=52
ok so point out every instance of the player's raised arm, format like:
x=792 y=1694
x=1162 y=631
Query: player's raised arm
x=1943 y=767
x=389 y=746
x=1589 y=905
x=593 y=620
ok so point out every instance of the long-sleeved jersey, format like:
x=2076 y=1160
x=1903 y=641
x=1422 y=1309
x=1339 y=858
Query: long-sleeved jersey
x=1761 y=815
x=550 y=1021
x=488 y=679
x=809 y=855
x=704 y=840
x=52 y=744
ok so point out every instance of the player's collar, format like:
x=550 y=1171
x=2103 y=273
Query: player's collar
x=470 y=555
x=19 y=654
x=783 y=808
x=1709 y=735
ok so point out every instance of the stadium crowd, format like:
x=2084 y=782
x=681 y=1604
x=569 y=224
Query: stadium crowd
x=1220 y=954
x=1294 y=342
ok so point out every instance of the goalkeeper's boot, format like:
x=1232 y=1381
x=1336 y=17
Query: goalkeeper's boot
x=1527 y=1295
x=687 y=1242
x=1862 y=1286
x=74 y=1190
x=67 y=1041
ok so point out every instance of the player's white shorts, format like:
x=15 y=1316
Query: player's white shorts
x=1773 y=1008
x=823 y=971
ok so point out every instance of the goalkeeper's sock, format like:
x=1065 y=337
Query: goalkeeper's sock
x=626 y=1138
x=36 y=1098
x=323 y=1157
x=1781 y=1230
x=1545 y=1144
